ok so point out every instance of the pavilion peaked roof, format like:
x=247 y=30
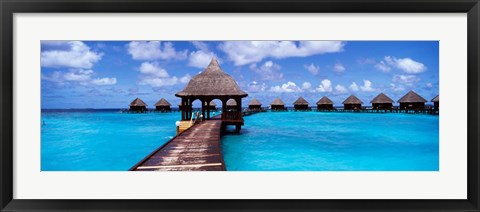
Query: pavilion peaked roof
x=382 y=98
x=352 y=99
x=325 y=101
x=436 y=99
x=138 y=102
x=162 y=102
x=411 y=96
x=254 y=102
x=277 y=101
x=300 y=101
x=212 y=82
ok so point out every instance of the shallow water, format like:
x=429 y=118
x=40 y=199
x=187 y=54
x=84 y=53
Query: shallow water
x=316 y=141
x=102 y=141
x=111 y=141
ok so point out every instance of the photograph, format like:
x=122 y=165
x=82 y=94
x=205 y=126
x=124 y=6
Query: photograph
x=239 y=105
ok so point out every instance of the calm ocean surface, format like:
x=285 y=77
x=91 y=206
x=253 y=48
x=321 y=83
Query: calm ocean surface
x=105 y=140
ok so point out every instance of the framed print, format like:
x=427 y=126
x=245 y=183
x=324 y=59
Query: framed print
x=256 y=106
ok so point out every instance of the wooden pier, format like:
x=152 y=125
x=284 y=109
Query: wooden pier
x=196 y=149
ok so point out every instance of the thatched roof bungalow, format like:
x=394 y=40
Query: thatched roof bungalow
x=213 y=83
x=300 y=104
x=412 y=101
x=436 y=102
x=277 y=104
x=352 y=103
x=231 y=104
x=382 y=102
x=162 y=105
x=254 y=104
x=138 y=105
x=212 y=106
x=325 y=104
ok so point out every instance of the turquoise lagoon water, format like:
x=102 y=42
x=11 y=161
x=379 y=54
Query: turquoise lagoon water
x=102 y=140
x=112 y=141
x=316 y=141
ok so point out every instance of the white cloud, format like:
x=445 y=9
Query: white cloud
x=185 y=79
x=339 y=68
x=340 y=89
x=104 y=81
x=354 y=87
x=154 y=50
x=247 y=52
x=382 y=66
x=429 y=85
x=306 y=86
x=254 y=87
x=268 y=71
x=407 y=65
x=312 y=68
x=153 y=75
x=367 y=86
x=405 y=79
x=153 y=69
x=395 y=87
x=202 y=57
x=78 y=77
x=325 y=86
x=286 y=87
x=71 y=54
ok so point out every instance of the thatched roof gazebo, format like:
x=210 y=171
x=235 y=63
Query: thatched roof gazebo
x=254 y=105
x=352 y=103
x=436 y=102
x=277 y=105
x=325 y=104
x=300 y=104
x=212 y=83
x=382 y=102
x=162 y=105
x=412 y=101
x=137 y=105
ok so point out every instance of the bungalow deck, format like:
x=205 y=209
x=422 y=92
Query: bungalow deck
x=196 y=149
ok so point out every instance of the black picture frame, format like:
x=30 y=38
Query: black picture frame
x=10 y=7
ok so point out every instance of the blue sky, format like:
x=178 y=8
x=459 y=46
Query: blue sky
x=110 y=74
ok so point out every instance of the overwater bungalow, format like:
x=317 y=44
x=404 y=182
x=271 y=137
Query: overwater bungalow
x=352 y=103
x=325 y=104
x=138 y=105
x=436 y=103
x=382 y=102
x=163 y=105
x=213 y=83
x=254 y=105
x=277 y=104
x=231 y=104
x=412 y=101
x=300 y=104
x=211 y=107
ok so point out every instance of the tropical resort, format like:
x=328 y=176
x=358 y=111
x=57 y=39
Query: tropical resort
x=219 y=134
x=197 y=145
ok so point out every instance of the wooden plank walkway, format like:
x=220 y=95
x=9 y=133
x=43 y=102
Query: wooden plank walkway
x=196 y=149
